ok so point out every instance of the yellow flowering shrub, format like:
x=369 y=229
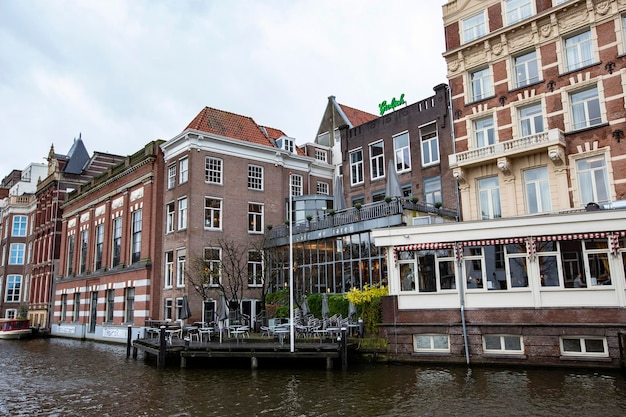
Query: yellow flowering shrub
x=369 y=300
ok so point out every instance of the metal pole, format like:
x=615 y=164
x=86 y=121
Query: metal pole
x=462 y=300
x=291 y=318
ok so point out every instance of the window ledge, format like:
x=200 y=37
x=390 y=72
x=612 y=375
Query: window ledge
x=505 y=355
x=585 y=129
x=433 y=354
x=565 y=74
x=585 y=358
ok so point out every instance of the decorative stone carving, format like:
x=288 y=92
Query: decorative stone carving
x=602 y=8
x=504 y=165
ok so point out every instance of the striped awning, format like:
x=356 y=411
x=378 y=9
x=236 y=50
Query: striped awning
x=488 y=242
x=574 y=236
x=424 y=246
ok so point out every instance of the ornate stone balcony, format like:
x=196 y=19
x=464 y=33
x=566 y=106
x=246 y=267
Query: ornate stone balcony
x=553 y=141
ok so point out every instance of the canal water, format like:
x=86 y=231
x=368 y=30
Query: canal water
x=61 y=377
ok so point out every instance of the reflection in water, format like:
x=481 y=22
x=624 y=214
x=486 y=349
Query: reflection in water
x=60 y=377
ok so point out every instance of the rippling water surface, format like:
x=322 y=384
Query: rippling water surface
x=59 y=377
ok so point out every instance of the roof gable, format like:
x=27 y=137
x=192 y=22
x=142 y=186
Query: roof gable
x=357 y=117
x=230 y=125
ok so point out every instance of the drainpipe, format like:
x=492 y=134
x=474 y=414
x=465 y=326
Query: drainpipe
x=459 y=274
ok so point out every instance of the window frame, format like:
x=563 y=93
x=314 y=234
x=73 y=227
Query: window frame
x=476 y=30
x=171 y=176
x=98 y=256
x=583 y=352
x=20 y=226
x=402 y=152
x=538 y=184
x=168 y=273
x=529 y=116
x=170 y=217
x=183 y=170
x=517 y=11
x=495 y=207
x=434 y=192
x=357 y=173
x=182 y=212
x=502 y=338
x=17 y=256
x=588 y=105
x=181 y=255
x=13 y=288
x=255 y=177
x=377 y=160
x=256 y=218
x=480 y=131
x=528 y=65
x=431 y=337
x=577 y=47
x=213 y=264
x=136 y=232
x=213 y=214
x=481 y=84
x=296 y=187
x=322 y=188
x=213 y=170
x=116 y=242
x=255 y=269
x=429 y=144
x=593 y=181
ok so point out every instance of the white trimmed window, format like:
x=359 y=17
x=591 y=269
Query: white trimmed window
x=321 y=155
x=167 y=309
x=377 y=160
x=473 y=27
x=255 y=218
x=212 y=213
x=84 y=241
x=169 y=269
x=489 y=198
x=255 y=177
x=584 y=346
x=19 y=225
x=430 y=144
x=13 y=289
x=593 y=184
x=180 y=267
x=517 y=10
x=322 y=188
x=99 y=247
x=16 y=256
x=169 y=217
x=296 y=185
x=481 y=84
x=135 y=251
x=578 y=51
x=129 y=305
x=171 y=176
x=182 y=213
x=495 y=343
x=432 y=190
x=530 y=119
x=484 y=132
x=255 y=268
x=356 y=167
x=213 y=170
x=402 y=152
x=117 y=242
x=431 y=343
x=585 y=106
x=526 y=69
x=212 y=268
x=537 y=188
x=183 y=175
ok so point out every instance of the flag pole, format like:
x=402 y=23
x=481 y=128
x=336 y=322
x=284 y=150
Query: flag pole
x=291 y=318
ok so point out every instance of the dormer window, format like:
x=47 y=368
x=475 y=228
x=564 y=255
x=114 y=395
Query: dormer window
x=286 y=144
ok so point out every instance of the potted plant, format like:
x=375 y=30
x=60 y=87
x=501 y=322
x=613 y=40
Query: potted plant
x=358 y=206
x=309 y=217
x=388 y=199
x=414 y=200
x=438 y=204
x=331 y=212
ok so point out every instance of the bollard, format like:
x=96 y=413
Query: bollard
x=361 y=328
x=344 y=348
x=161 y=361
x=129 y=338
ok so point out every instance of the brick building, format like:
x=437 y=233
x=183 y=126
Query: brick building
x=535 y=274
x=227 y=181
x=110 y=238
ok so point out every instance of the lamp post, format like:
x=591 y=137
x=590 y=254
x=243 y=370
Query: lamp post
x=291 y=323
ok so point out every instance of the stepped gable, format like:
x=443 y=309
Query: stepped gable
x=357 y=117
x=235 y=126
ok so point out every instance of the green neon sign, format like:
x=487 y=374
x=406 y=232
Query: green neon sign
x=384 y=106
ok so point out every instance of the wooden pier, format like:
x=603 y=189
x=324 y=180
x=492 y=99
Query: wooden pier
x=253 y=347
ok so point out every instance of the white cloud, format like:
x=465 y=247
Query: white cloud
x=127 y=72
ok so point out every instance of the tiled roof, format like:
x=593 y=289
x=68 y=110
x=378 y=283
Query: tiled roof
x=273 y=133
x=357 y=117
x=231 y=125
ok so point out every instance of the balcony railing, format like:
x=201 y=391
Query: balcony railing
x=372 y=211
x=513 y=147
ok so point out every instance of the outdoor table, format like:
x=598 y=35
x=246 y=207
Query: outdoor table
x=281 y=332
x=205 y=330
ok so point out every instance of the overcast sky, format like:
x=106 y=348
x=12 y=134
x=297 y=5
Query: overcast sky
x=124 y=73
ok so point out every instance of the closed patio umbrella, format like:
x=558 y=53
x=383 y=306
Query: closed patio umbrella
x=305 y=307
x=325 y=309
x=222 y=314
x=185 y=311
x=392 y=188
